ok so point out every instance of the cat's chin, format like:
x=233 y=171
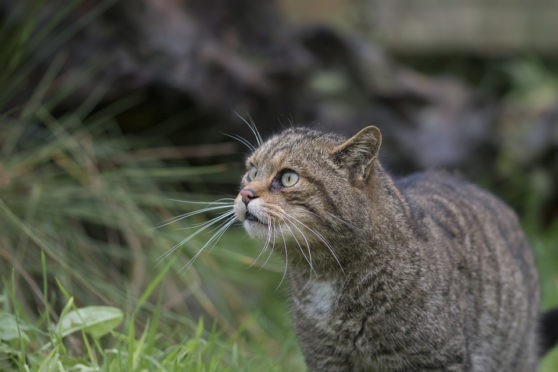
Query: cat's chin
x=256 y=229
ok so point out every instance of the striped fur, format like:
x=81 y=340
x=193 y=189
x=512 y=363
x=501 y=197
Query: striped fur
x=426 y=273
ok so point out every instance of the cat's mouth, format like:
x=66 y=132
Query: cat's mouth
x=252 y=218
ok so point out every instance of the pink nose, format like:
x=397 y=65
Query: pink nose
x=247 y=195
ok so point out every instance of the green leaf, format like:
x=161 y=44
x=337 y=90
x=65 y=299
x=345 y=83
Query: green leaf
x=9 y=328
x=95 y=320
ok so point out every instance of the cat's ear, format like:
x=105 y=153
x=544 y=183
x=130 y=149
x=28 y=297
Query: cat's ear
x=359 y=152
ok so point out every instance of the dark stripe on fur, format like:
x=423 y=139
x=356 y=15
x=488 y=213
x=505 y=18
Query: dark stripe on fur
x=324 y=192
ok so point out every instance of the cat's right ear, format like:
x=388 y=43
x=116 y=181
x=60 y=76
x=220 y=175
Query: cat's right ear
x=359 y=152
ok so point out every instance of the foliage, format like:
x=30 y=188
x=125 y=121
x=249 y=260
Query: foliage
x=74 y=188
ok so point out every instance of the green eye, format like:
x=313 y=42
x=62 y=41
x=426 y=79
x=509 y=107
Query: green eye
x=289 y=179
x=252 y=174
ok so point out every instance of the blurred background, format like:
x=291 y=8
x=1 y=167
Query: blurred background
x=112 y=112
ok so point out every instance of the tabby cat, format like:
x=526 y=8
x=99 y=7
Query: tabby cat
x=424 y=273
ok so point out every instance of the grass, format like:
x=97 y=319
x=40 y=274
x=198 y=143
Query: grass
x=89 y=339
x=71 y=199
x=83 y=284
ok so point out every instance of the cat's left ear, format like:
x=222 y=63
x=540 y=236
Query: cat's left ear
x=359 y=152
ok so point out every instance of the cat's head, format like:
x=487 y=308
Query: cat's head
x=304 y=185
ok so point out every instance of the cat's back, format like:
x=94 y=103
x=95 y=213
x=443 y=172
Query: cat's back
x=470 y=219
x=457 y=210
x=474 y=240
x=440 y=190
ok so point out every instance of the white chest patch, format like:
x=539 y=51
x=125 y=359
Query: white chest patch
x=319 y=301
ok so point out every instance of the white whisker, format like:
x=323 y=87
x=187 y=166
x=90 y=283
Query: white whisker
x=309 y=257
x=256 y=129
x=321 y=237
x=242 y=140
x=266 y=242
x=190 y=214
x=215 y=238
x=298 y=244
x=252 y=127
x=227 y=213
x=307 y=246
x=274 y=233
x=184 y=241
x=218 y=201
x=220 y=232
x=194 y=226
x=286 y=257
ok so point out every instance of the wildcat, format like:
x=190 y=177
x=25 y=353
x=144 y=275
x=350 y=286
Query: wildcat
x=423 y=273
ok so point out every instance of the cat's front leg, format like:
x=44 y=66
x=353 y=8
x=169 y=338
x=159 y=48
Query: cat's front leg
x=324 y=350
x=318 y=362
